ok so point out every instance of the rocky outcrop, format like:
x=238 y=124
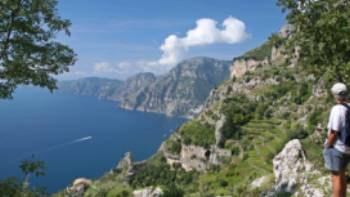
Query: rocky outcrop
x=78 y=187
x=148 y=192
x=126 y=166
x=198 y=158
x=259 y=182
x=295 y=174
x=219 y=136
x=242 y=66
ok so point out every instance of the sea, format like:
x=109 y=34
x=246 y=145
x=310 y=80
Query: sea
x=76 y=136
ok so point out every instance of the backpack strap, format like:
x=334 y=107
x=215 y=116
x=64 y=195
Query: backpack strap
x=346 y=106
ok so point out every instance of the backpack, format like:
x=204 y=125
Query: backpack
x=344 y=134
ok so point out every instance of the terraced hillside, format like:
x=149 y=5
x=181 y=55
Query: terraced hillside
x=230 y=148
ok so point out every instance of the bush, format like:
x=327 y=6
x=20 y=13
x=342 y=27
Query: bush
x=156 y=172
x=198 y=134
x=238 y=111
x=174 y=147
x=172 y=191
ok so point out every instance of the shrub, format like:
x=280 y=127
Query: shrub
x=198 y=134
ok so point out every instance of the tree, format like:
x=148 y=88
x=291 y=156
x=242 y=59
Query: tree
x=29 y=53
x=32 y=166
x=322 y=34
x=12 y=187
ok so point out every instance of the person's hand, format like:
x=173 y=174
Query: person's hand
x=326 y=145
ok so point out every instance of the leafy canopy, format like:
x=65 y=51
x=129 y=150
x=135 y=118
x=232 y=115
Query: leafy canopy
x=29 y=53
x=322 y=34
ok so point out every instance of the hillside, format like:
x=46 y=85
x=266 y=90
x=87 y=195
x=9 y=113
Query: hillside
x=91 y=86
x=254 y=137
x=180 y=92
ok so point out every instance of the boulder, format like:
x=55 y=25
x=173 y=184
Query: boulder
x=79 y=187
x=241 y=66
x=295 y=174
x=148 y=192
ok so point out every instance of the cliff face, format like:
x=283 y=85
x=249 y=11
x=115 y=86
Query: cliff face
x=254 y=136
x=92 y=86
x=181 y=91
x=184 y=88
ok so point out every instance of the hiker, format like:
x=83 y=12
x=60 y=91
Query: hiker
x=337 y=146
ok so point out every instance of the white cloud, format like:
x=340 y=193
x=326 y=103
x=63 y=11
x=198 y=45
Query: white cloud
x=206 y=32
x=125 y=69
x=174 y=48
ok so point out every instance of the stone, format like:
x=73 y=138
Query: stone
x=241 y=67
x=295 y=174
x=79 y=187
x=219 y=136
x=148 y=192
x=259 y=182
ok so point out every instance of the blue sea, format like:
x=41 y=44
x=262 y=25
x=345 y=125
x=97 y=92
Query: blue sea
x=76 y=136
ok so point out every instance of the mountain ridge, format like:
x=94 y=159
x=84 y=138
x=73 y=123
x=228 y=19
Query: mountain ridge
x=179 y=92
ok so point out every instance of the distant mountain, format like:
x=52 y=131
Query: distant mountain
x=91 y=86
x=181 y=91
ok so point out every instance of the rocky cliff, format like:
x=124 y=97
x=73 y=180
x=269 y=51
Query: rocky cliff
x=255 y=136
x=180 y=92
x=92 y=86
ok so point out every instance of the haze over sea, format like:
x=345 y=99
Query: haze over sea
x=76 y=136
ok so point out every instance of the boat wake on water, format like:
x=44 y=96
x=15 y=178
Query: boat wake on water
x=83 y=139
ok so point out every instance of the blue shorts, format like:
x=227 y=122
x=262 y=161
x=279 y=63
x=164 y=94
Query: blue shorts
x=335 y=160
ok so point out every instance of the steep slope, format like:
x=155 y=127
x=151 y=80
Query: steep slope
x=234 y=147
x=185 y=87
x=133 y=87
x=91 y=86
x=180 y=92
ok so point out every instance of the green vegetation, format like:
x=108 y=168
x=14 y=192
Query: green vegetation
x=158 y=172
x=197 y=133
x=323 y=35
x=259 y=53
x=174 y=146
x=239 y=111
x=12 y=187
x=264 y=51
x=29 y=53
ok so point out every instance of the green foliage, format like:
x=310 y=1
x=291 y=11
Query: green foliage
x=297 y=132
x=323 y=35
x=198 y=134
x=32 y=166
x=302 y=93
x=172 y=191
x=174 y=146
x=29 y=53
x=158 y=172
x=119 y=192
x=11 y=187
x=259 y=53
x=238 y=111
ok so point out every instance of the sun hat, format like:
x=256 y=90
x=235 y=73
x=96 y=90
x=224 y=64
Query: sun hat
x=339 y=89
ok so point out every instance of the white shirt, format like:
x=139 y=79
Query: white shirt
x=337 y=121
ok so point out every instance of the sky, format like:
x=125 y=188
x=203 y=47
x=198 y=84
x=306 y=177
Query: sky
x=119 y=38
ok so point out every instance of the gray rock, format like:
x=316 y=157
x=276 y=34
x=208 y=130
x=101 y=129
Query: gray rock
x=148 y=192
x=219 y=136
x=295 y=174
x=78 y=187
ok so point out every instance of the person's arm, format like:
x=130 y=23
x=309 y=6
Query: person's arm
x=331 y=138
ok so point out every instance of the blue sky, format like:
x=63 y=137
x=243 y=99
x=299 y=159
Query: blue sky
x=118 y=38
